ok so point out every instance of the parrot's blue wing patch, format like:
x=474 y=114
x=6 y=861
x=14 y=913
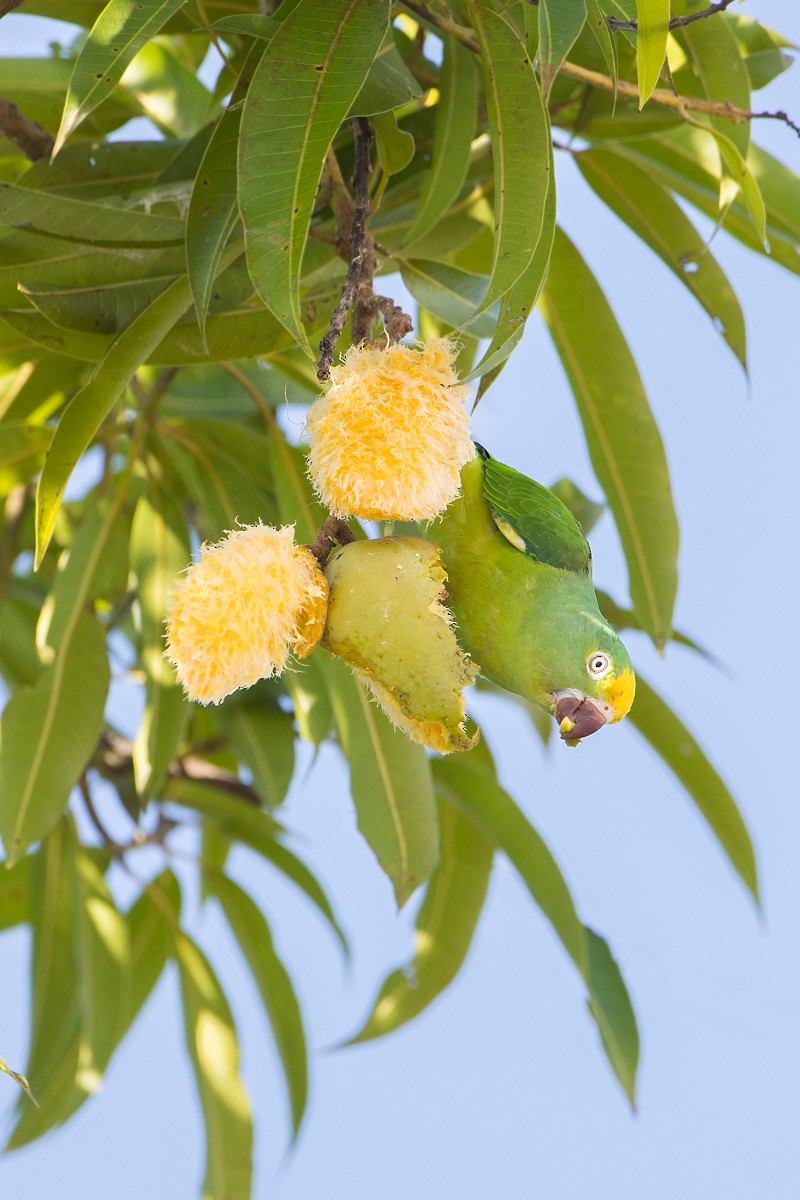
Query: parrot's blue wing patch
x=533 y=519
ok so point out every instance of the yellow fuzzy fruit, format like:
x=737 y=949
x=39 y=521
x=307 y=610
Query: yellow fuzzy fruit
x=240 y=609
x=386 y=619
x=389 y=437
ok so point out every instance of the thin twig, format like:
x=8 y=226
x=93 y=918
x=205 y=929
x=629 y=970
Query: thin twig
x=676 y=22
x=712 y=108
x=26 y=134
x=359 y=252
x=7 y=6
x=334 y=532
x=116 y=757
x=108 y=841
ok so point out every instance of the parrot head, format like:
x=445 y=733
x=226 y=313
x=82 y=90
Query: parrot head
x=595 y=684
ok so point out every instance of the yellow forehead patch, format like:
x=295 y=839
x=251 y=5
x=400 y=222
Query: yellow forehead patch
x=619 y=691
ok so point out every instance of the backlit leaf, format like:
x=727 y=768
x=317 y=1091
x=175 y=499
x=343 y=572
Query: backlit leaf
x=673 y=742
x=652 y=17
x=119 y=32
x=622 y=437
x=560 y=22
x=84 y=221
x=310 y=74
x=445 y=925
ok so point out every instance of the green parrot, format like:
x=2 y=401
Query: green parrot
x=519 y=584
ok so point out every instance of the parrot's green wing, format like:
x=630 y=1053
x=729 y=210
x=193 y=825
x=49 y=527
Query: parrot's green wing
x=533 y=519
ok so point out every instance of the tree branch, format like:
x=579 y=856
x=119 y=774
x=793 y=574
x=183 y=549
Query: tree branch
x=27 y=135
x=616 y=23
x=334 y=532
x=7 y=6
x=712 y=108
x=361 y=255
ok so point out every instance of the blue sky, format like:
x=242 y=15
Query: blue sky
x=501 y=1088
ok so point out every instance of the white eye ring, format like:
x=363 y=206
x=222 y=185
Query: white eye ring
x=598 y=664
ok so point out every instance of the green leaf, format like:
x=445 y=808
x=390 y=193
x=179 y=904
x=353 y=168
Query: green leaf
x=55 y=1013
x=648 y=209
x=102 y=962
x=611 y=1008
x=520 y=301
x=168 y=90
x=307 y=80
x=312 y=704
x=213 y=208
x=21 y=453
x=90 y=407
x=159 y=550
x=18 y=1079
x=274 y=985
x=263 y=739
x=15 y=894
x=395 y=145
x=93 y=169
x=652 y=17
x=762 y=50
x=49 y=732
x=560 y=22
x=622 y=437
x=455 y=128
x=470 y=781
x=449 y=293
x=254 y=828
x=596 y=21
x=717 y=62
x=151 y=924
x=445 y=926
x=743 y=177
x=673 y=742
x=390 y=783
x=84 y=221
x=389 y=83
x=214 y=1050
x=520 y=146
x=120 y=31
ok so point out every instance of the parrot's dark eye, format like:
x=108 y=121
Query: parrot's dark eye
x=598 y=664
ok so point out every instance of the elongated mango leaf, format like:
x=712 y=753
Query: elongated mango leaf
x=648 y=209
x=686 y=161
x=312 y=704
x=390 y=783
x=611 y=1008
x=119 y=32
x=520 y=301
x=455 y=128
x=55 y=1012
x=84 y=221
x=673 y=742
x=560 y=22
x=49 y=731
x=622 y=437
x=471 y=781
x=102 y=962
x=214 y=1050
x=449 y=293
x=741 y=174
x=652 y=18
x=168 y=90
x=159 y=550
x=213 y=207
x=717 y=62
x=89 y=408
x=520 y=148
x=596 y=21
x=274 y=985
x=151 y=924
x=445 y=925
x=263 y=739
x=310 y=74
x=255 y=829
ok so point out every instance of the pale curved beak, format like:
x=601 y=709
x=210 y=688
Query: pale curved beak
x=578 y=716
